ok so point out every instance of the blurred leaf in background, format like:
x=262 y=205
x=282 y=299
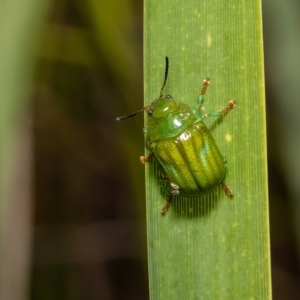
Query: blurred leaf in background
x=282 y=48
x=89 y=227
x=20 y=29
x=89 y=182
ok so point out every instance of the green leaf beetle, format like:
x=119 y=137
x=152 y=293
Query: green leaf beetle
x=178 y=139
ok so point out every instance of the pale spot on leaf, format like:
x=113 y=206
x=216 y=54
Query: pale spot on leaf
x=228 y=137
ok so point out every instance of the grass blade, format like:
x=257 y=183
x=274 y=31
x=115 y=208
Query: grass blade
x=211 y=247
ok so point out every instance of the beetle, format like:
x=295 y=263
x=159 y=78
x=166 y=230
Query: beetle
x=177 y=138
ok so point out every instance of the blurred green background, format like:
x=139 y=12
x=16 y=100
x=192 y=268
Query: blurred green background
x=72 y=187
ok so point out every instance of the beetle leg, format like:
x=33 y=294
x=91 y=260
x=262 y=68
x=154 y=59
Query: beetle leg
x=169 y=197
x=166 y=206
x=174 y=191
x=205 y=84
x=144 y=159
x=231 y=104
x=227 y=190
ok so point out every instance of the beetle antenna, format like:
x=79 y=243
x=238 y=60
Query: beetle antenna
x=147 y=108
x=130 y=116
x=166 y=76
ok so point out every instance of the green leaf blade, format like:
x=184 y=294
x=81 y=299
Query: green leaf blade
x=212 y=247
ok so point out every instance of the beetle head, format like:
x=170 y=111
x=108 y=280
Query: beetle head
x=161 y=106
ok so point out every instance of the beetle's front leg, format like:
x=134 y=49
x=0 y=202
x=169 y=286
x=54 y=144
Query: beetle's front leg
x=205 y=84
x=231 y=105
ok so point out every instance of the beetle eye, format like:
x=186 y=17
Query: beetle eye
x=168 y=96
x=150 y=112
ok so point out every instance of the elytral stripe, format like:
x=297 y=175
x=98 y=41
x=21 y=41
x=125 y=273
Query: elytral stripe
x=206 y=161
x=192 y=143
x=175 y=165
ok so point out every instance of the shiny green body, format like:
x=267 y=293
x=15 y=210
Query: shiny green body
x=184 y=148
x=179 y=141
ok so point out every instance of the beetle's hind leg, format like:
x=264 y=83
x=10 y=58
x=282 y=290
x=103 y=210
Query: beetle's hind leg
x=169 y=197
x=170 y=193
x=226 y=189
x=166 y=206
